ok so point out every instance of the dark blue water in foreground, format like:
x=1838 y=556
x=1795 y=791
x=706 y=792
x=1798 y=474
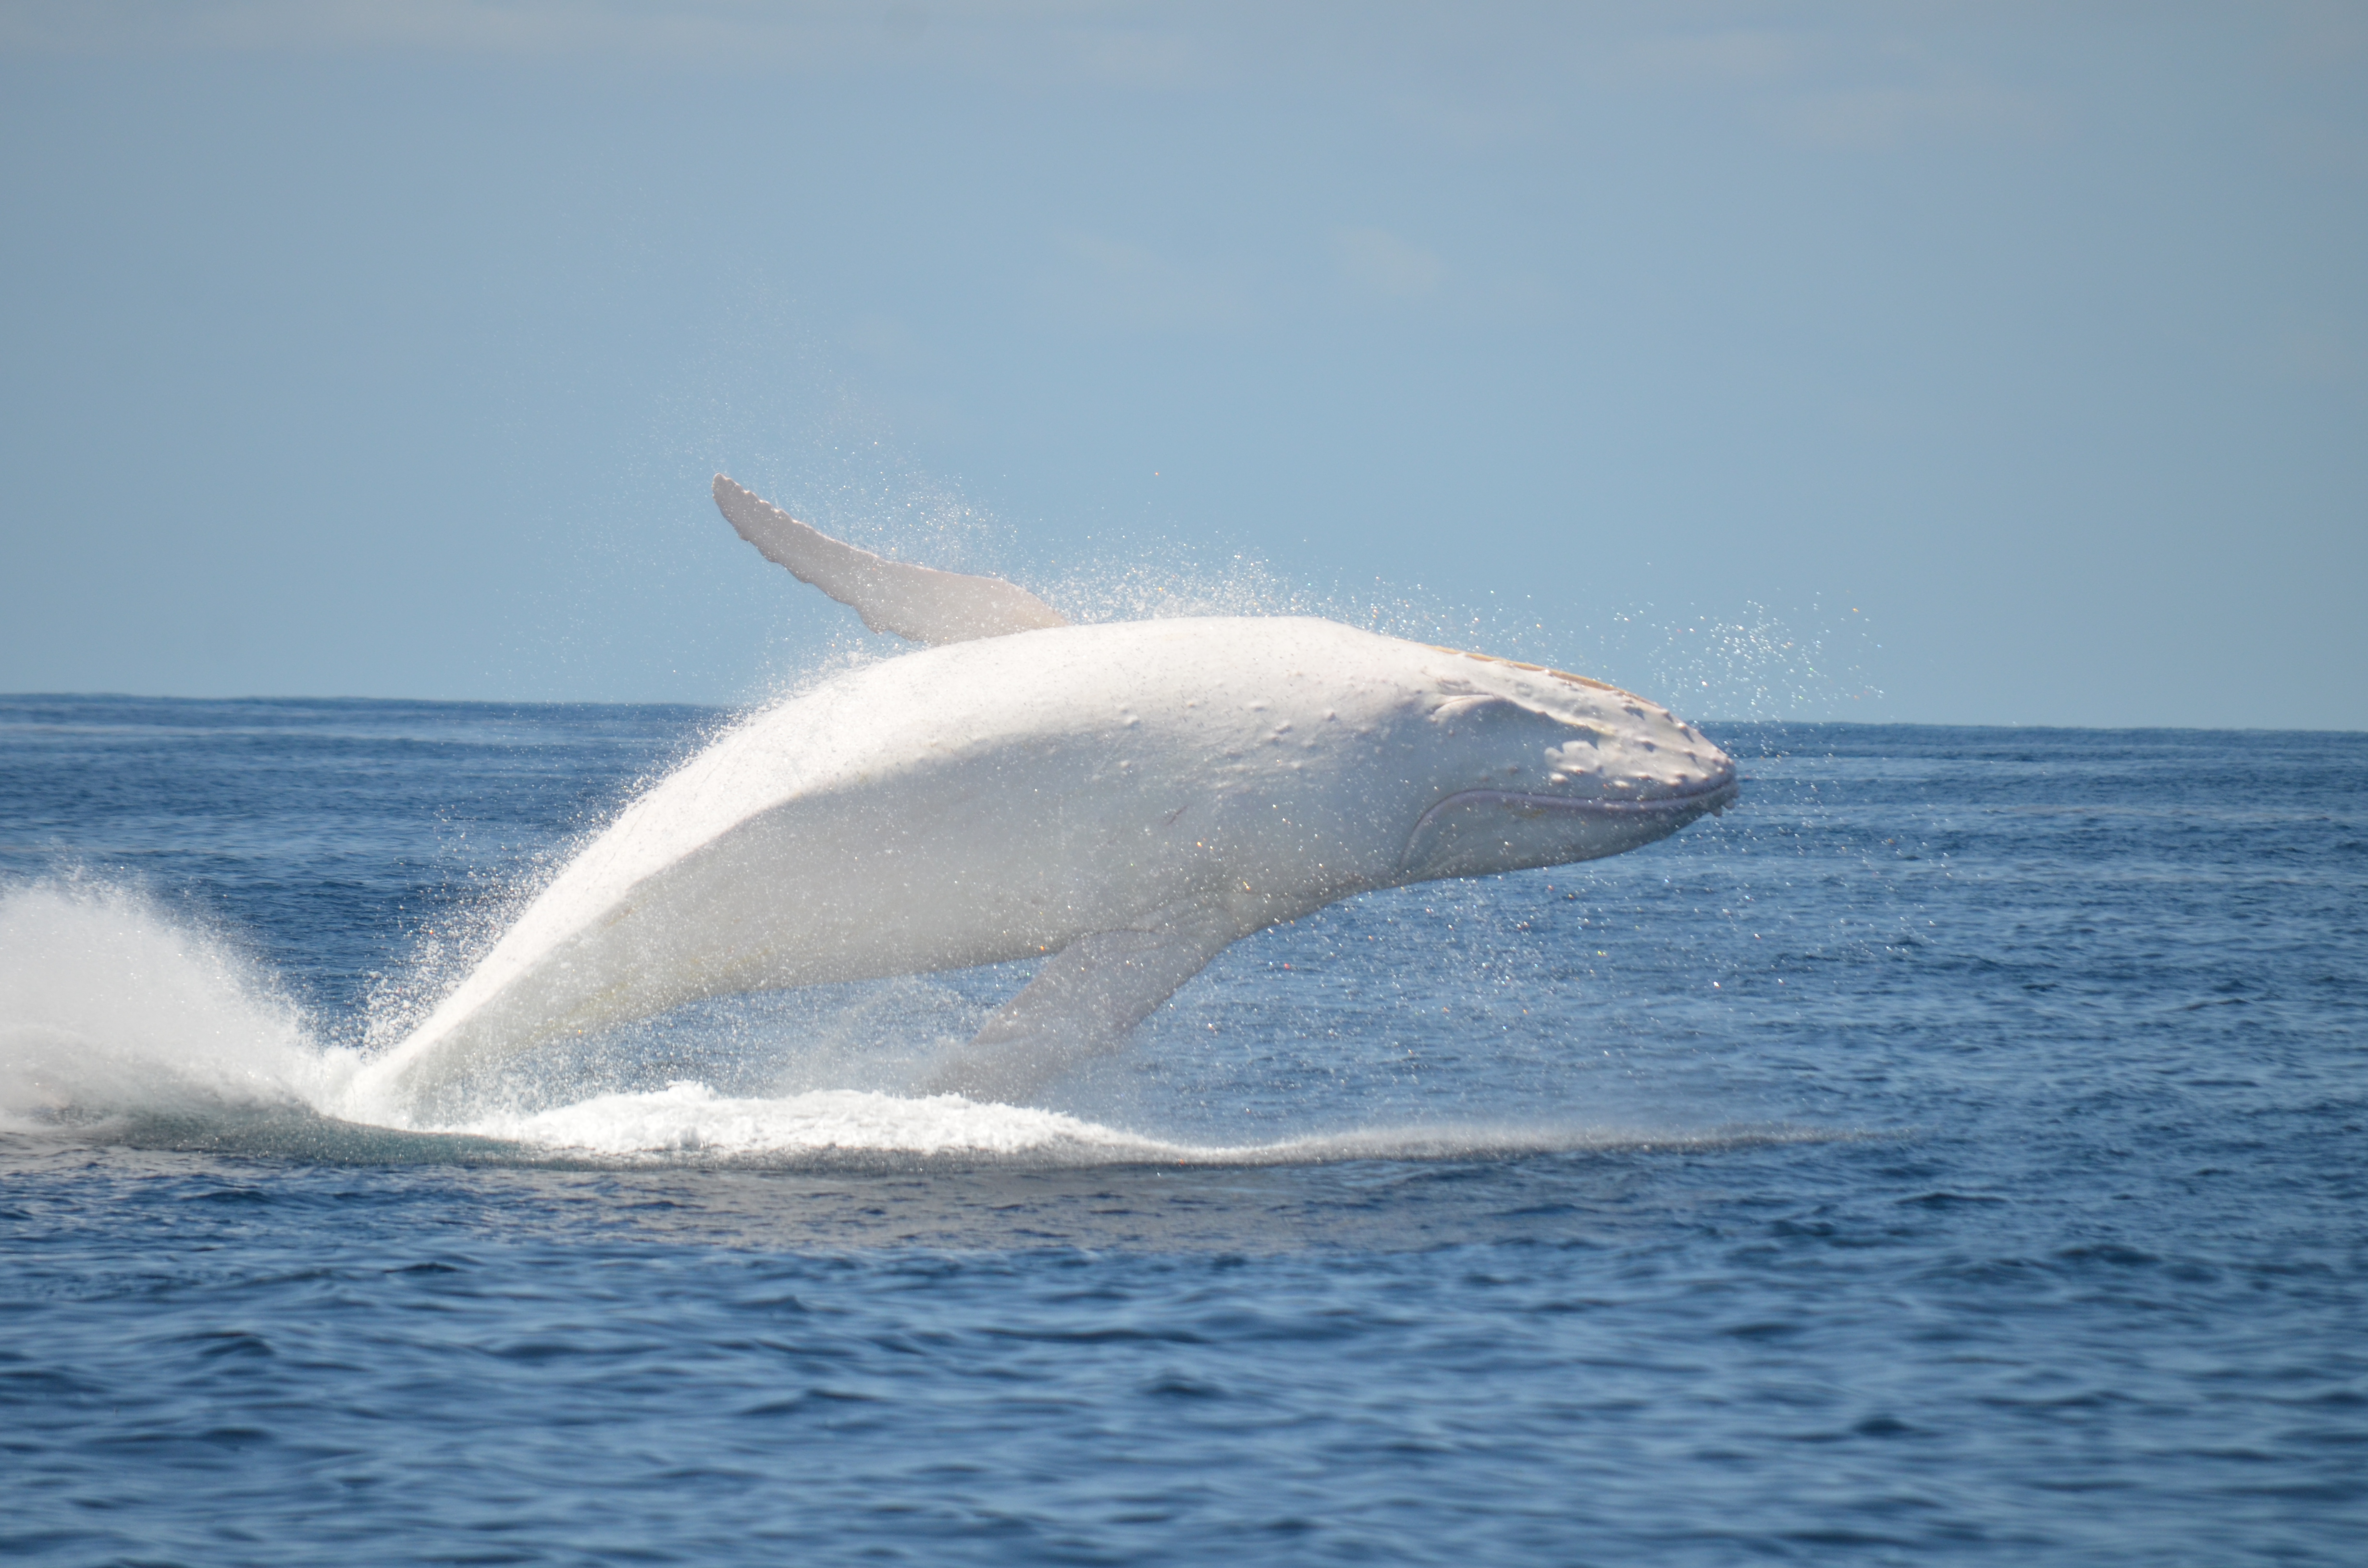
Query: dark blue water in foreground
x=1953 y=1154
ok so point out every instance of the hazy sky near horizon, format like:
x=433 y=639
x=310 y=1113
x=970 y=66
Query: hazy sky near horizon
x=1980 y=363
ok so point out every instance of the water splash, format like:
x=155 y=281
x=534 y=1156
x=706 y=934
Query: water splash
x=819 y=1126
x=122 y=1020
x=110 y=1009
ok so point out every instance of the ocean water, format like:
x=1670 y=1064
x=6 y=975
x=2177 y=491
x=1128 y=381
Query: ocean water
x=1951 y=1155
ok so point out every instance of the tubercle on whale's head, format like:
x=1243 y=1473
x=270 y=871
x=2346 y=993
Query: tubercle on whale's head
x=1536 y=767
x=1567 y=736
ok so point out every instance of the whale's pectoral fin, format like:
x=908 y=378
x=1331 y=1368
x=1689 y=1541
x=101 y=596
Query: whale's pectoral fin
x=919 y=602
x=1082 y=1004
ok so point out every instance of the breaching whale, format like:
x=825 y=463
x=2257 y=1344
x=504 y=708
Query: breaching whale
x=1123 y=800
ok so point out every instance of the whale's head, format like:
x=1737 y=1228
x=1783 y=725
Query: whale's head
x=1532 y=767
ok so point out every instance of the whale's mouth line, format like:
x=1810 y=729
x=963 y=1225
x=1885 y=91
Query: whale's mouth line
x=1708 y=796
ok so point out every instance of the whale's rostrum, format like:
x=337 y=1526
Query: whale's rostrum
x=1123 y=801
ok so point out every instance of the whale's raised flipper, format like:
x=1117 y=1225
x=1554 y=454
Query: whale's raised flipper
x=1083 y=1003
x=919 y=602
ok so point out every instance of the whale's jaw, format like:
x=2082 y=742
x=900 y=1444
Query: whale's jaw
x=1479 y=832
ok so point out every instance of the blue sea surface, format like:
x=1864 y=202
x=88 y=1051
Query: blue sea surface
x=1953 y=1154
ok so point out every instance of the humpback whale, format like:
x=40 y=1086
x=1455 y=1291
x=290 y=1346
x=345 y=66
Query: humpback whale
x=1123 y=801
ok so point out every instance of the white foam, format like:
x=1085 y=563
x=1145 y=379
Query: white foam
x=688 y=1118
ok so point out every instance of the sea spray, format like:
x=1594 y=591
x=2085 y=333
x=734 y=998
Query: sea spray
x=112 y=1009
x=117 y=1014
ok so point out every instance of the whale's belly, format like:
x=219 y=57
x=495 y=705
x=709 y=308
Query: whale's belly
x=898 y=877
x=939 y=864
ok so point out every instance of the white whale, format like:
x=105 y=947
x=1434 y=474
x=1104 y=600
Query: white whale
x=1126 y=799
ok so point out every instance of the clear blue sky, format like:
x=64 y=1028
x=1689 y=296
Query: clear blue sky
x=2015 y=356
